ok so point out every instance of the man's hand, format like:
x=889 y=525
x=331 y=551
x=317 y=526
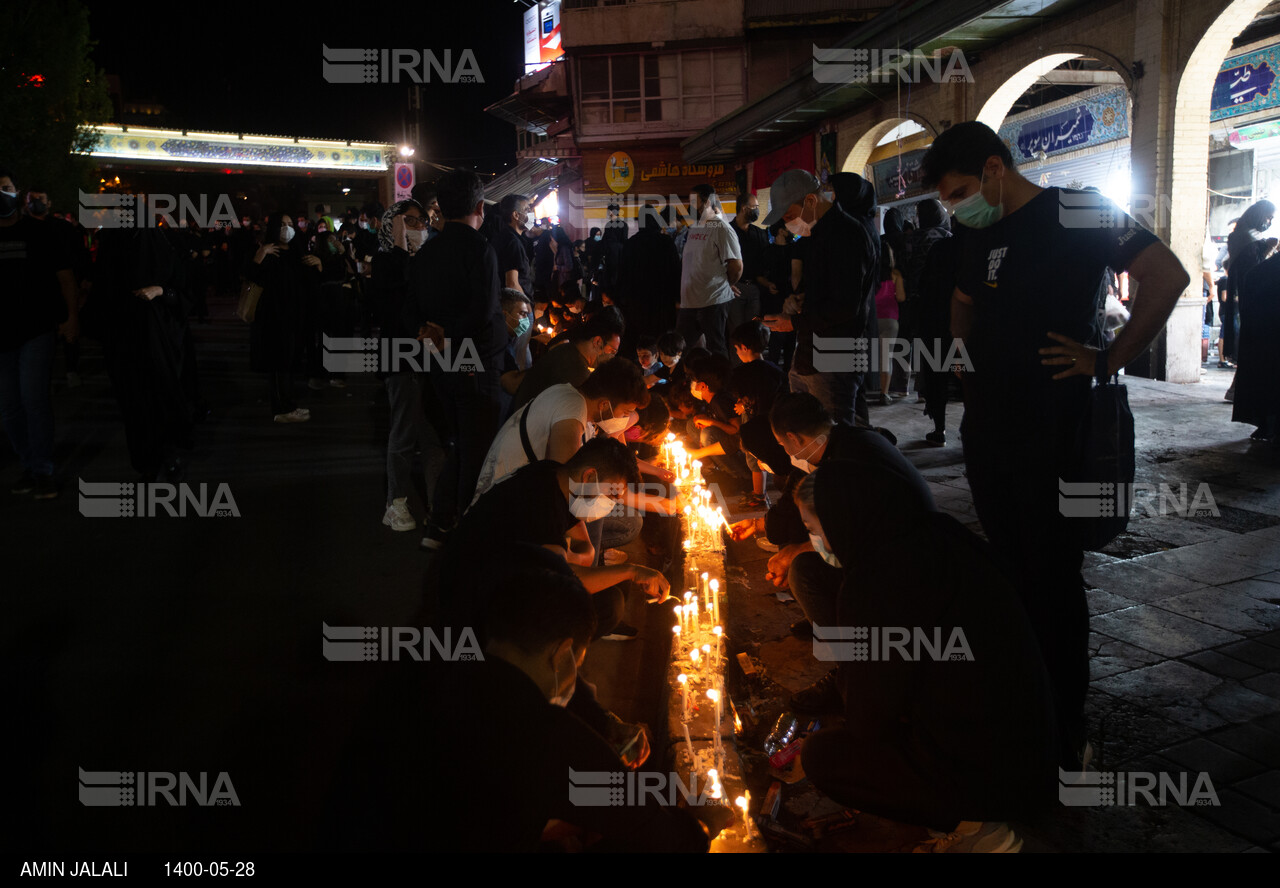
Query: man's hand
x=737 y=294
x=433 y=332
x=702 y=421
x=714 y=818
x=779 y=323
x=1076 y=357
x=311 y=261
x=70 y=329
x=780 y=563
x=578 y=546
x=741 y=530
x=149 y=293
x=653 y=583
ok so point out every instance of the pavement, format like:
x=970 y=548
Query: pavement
x=190 y=643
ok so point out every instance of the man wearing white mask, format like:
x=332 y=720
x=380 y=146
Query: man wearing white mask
x=840 y=280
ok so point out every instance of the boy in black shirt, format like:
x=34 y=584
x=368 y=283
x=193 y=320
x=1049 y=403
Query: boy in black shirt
x=1024 y=305
x=716 y=429
x=756 y=382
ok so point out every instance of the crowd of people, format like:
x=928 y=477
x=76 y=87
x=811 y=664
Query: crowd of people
x=541 y=456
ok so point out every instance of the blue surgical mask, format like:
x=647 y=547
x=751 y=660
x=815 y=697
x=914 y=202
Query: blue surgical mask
x=827 y=555
x=975 y=212
x=598 y=238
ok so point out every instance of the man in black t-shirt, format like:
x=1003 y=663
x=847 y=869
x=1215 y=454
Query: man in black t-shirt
x=36 y=287
x=1024 y=306
x=715 y=427
x=513 y=256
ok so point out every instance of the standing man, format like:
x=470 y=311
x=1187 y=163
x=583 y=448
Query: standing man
x=840 y=277
x=711 y=265
x=35 y=268
x=1024 y=304
x=752 y=243
x=453 y=290
x=513 y=257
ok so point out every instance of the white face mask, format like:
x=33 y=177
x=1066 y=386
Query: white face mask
x=286 y=234
x=613 y=424
x=591 y=508
x=414 y=238
x=822 y=550
x=802 y=463
x=798 y=226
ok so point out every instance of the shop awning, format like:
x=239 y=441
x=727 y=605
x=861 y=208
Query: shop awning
x=800 y=104
x=534 y=178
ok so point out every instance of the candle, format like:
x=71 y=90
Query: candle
x=714 y=696
x=715 y=601
x=676 y=630
x=684 y=695
x=713 y=776
x=695 y=656
x=704 y=585
x=744 y=804
x=718 y=632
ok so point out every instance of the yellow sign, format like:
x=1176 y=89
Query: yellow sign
x=619 y=171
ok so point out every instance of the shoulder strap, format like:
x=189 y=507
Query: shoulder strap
x=524 y=434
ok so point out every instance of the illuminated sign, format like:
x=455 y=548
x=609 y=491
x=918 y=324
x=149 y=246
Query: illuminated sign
x=541 y=35
x=175 y=146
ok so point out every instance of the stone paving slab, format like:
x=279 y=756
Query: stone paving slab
x=1158 y=630
x=1142 y=583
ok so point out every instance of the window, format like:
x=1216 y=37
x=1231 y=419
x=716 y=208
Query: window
x=694 y=87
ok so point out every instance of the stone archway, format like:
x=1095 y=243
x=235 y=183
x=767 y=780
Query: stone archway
x=998 y=104
x=856 y=160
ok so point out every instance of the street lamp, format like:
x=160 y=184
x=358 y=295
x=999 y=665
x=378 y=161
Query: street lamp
x=406 y=151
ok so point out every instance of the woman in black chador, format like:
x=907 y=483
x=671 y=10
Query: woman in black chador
x=138 y=287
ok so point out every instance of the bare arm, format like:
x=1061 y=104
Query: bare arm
x=1161 y=281
x=511 y=279
x=564 y=440
x=961 y=315
x=733 y=270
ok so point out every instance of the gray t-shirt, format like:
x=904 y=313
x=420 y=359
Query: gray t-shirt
x=703 y=281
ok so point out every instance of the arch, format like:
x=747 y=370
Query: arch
x=856 y=160
x=998 y=104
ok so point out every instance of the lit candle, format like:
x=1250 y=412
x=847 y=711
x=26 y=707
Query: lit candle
x=684 y=696
x=714 y=696
x=715 y=601
x=676 y=629
x=743 y=803
x=718 y=632
x=713 y=777
x=694 y=657
x=704 y=585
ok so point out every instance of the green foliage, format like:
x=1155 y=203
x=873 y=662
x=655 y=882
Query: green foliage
x=49 y=87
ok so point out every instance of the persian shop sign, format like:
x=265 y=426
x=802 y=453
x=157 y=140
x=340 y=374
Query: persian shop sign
x=650 y=170
x=1063 y=131
x=1244 y=84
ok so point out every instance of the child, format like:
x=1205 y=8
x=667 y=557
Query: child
x=670 y=350
x=716 y=428
x=756 y=382
x=647 y=357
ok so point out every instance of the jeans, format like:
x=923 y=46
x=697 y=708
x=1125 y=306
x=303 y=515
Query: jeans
x=611 y=532
x=470 y=408
x=409 y=431
x=709 y=322
x=26 y=406
x=839 y=394
x=742 y=309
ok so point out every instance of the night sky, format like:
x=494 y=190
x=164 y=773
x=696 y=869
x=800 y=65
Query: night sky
x=256 y=68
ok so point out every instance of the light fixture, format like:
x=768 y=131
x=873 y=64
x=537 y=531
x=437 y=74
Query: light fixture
x=406 y=151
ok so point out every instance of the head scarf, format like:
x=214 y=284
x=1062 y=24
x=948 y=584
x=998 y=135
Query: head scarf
x=399 y=208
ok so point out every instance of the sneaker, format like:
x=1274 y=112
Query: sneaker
x=614 y=556
x=293 y=416
x=25 y=484
x=972 y=837
x=621 y=632
x=303 y=410
x=73 y=380
x=435 y=539
x=337 y=383
x=821 y=696
x=937 y=439
x=765 y=544
x=398 y=517
x=316 y=385
x=46 y=487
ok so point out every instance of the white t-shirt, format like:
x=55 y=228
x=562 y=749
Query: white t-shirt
x=506 y=454
x=702 y=273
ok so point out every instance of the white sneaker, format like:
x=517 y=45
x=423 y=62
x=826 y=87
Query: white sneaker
x=398 y=517
x=972 y=837
x=294 y=416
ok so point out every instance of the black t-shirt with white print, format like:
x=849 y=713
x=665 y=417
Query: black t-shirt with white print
x=1037 y=271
